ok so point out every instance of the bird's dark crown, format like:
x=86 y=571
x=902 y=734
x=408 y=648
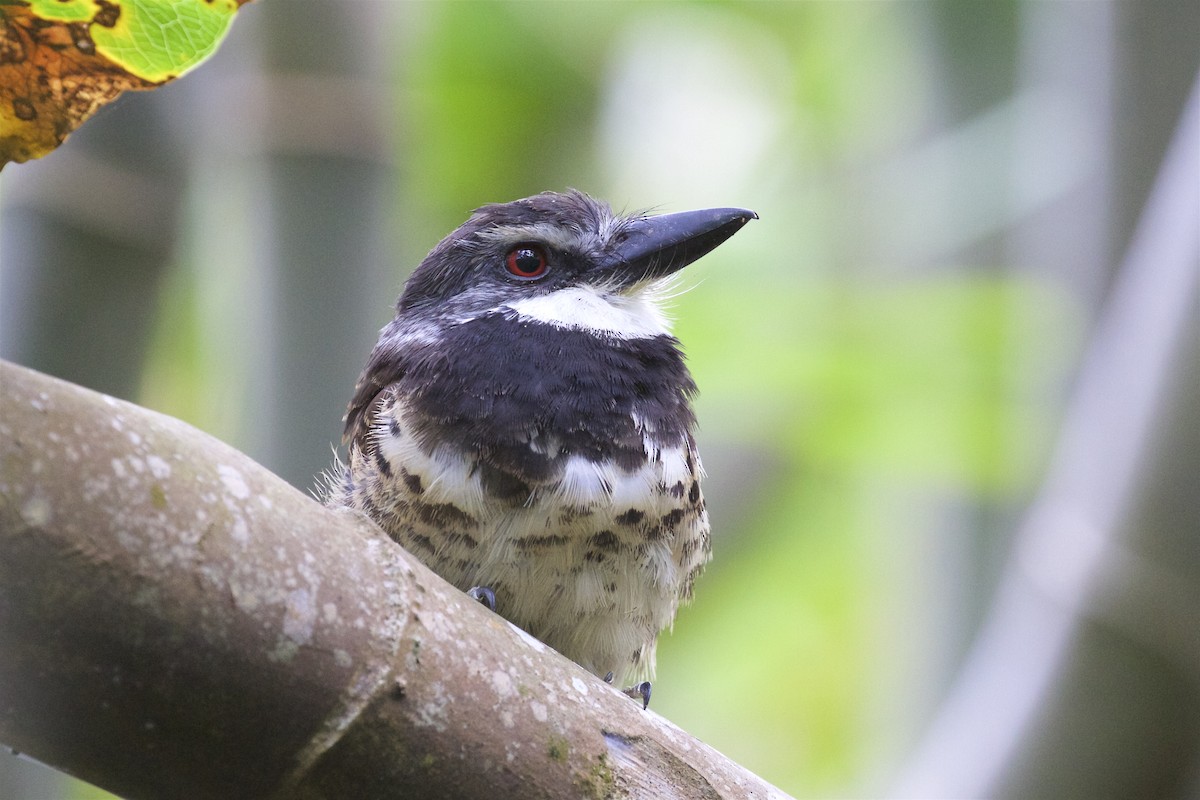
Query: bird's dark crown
x=467 y=270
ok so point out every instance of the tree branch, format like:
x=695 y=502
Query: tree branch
x=176 y=621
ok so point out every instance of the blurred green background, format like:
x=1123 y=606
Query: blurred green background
x=945 y=191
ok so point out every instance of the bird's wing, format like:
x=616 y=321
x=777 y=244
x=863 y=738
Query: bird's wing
x=383 y=369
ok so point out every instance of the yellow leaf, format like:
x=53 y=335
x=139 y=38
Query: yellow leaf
x=60 y=60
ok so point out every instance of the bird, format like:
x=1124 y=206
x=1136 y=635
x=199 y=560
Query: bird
x=524 y=425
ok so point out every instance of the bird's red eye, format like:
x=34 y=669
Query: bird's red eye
x=526 y=261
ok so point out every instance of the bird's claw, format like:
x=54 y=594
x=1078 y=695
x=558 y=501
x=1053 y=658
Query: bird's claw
x=640 y=692
x=484 y=595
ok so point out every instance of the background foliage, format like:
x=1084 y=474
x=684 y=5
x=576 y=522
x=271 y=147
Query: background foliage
x=944 y=190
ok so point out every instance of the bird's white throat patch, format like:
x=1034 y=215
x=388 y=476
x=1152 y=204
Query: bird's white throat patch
x=633 y=316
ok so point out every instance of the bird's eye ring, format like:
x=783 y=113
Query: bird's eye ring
x=526 y=261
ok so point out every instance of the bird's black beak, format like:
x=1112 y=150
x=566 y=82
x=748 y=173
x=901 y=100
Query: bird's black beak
x=654 y=247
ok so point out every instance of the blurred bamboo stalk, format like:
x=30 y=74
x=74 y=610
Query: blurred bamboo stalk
x=1084 y=680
